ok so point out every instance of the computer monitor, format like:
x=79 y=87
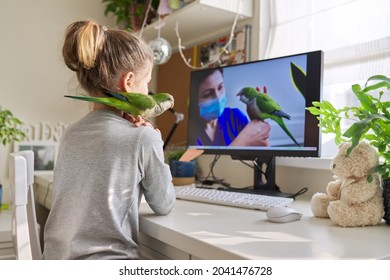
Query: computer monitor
x=221 y=106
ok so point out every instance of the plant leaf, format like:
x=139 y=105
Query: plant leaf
x=378 y=77
x=299 y=78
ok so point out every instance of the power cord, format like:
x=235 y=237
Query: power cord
x=211 y=178
x=266 y=173
x=300 y=192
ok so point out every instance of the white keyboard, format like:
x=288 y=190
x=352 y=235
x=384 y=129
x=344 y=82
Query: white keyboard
x=231 y=198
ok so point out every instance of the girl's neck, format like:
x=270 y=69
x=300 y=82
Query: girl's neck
x=98 y=106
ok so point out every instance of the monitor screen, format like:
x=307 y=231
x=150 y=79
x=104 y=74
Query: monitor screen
x=257 y=110
x=223 y=101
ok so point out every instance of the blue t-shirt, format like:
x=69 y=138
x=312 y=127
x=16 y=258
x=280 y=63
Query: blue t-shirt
x=230 y=124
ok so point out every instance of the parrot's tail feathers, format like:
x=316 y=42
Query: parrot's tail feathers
x=85 y=98
x=78 y=97
x=282 y=114
x=281 y=123
x=101 y=100
x=292 y=137
x=116 y=95
x=295 y=141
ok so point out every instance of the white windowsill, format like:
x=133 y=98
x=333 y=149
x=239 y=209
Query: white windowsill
x=311 y=163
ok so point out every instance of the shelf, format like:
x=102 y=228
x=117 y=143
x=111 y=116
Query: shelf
x=200 y=21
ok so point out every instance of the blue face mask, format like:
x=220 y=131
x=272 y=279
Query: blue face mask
x=212 y=109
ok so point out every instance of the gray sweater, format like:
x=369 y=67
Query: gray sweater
x=104 y=166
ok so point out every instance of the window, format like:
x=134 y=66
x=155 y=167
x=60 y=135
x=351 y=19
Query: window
x=354 y=35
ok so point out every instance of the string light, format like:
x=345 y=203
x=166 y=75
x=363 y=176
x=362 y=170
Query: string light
x=223 y=50
x=145 y=18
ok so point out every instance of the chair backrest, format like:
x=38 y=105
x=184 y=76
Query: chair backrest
x=25 y=235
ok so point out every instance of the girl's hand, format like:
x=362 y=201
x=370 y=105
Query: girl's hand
x=138 y=121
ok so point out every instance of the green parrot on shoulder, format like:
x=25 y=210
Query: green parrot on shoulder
x=136 y=104
x=261 y=106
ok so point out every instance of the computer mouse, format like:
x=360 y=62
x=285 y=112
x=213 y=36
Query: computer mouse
x=281 y=214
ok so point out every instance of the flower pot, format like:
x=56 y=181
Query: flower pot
x=183 y=173
x=386 y=199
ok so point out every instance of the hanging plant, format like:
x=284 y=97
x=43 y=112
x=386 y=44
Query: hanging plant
x=130 y=14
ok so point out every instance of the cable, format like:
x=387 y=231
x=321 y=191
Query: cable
x=145 y=18
x=211 y=179
x=247 y=164
x=259 y=168
x=221 y=51
x=300 y=192
x=266 y=173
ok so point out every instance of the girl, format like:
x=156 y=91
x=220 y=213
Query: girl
x=107 y=160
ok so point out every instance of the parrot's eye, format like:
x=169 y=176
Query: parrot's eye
x=334 y=166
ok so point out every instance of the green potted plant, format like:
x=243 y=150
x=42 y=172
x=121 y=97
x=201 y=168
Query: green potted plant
x=10 y=130
x=10 y=127
x=371 y=123
x=130 y=14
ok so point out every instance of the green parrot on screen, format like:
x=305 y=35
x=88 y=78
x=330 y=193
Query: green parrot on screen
x=261 y=106
x=136 y=104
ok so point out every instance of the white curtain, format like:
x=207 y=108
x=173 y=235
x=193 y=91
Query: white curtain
x=354 y=35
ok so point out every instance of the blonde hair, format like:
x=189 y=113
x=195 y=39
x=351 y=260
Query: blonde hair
x=100 y=55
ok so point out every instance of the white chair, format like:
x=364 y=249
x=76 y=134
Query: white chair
x=25 y=234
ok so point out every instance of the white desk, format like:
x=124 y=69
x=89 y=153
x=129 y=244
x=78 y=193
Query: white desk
x=218 y=232
x=203 y=231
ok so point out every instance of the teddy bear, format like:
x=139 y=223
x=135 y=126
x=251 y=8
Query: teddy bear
x=354 y=198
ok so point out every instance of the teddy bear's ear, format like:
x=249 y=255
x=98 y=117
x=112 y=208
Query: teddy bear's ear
x=342 y=145
x=365 y=157
x=343 y=148
x=367 y=152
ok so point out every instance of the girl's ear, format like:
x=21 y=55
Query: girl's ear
x=127 y=81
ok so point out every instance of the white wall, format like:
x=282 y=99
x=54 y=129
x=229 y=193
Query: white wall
x=33 y=77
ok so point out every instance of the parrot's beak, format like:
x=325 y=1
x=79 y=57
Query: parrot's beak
x=173 y=101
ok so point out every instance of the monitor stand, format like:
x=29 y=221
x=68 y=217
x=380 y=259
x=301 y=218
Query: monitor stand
x=264 y=178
